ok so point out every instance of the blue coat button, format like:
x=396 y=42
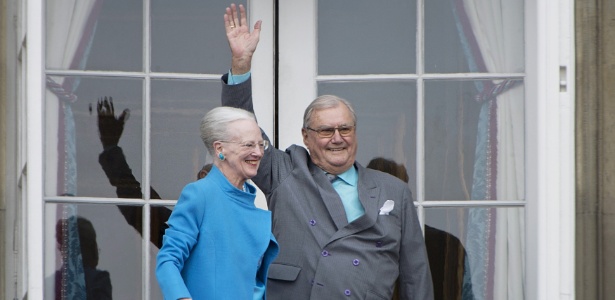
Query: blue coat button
x=312 y=222
x=355 y=262
x=347 y=292
x=378 y=244
x=325 y=253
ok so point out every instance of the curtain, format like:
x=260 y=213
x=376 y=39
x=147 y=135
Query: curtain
x=70 y=29
x=490 y=31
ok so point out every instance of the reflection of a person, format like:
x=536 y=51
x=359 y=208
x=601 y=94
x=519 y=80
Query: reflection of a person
x=219 y=245
x=348 y=237
x=120 y=176
x=113 y=162
x=97 y=282
x=447 y=256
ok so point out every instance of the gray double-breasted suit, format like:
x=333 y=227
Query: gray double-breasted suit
x=322 y=256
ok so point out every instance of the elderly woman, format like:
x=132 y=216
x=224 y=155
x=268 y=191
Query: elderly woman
x=219 y=244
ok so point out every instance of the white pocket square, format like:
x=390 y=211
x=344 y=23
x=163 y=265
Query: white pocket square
x=387 y=207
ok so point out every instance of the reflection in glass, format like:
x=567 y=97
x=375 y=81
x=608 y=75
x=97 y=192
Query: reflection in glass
x=476 y=253
x=474 y=141
x=92 y=254
x=77 y=160
x=386 y=119
x=177 y=150
x=366 y=37
x=133 y=215
x=182 y=36
x=468 y=36
x=93 y=283
x=443 y=47
x=88 y=37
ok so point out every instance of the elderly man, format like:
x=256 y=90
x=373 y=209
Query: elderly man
x=345 y=232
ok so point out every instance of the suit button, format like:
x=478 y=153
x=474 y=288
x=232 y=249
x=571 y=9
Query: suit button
x=378 y=244
x=355 y=262
x=312 y=222
x=325 y=253
x=347 y=292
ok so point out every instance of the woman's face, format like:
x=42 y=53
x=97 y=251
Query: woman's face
x=242 y=151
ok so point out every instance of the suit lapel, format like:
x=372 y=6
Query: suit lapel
x=368 y=195
x=330 y=198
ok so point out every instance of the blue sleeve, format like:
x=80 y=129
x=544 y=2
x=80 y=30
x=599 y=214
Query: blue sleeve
x=237 y=79
x=178 y=241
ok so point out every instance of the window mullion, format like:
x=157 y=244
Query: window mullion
x=145 y=187
x=420 y=109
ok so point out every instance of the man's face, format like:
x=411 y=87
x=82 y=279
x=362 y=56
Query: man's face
x=337 y=153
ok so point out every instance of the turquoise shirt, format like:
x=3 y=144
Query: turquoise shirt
x=237 y=79
x=346 y=186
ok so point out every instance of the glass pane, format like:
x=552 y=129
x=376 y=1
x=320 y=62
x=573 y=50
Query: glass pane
x=92 y=250
x=386 y=121
x=83 y=159
x=159 y=215
x=474 y=144
x=366 y=37
x=177 y=150
x=443 y=47
x=462 y=36
x=84 y=35
x=189 y=36
x=476 y=253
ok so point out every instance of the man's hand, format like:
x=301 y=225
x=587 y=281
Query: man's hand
x=110 y=128
x=242 y=42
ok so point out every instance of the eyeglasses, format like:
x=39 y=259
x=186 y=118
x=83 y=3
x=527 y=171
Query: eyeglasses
x=328 y=132
x=264 y=145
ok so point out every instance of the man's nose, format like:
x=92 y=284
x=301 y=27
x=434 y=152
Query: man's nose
x=337 y=137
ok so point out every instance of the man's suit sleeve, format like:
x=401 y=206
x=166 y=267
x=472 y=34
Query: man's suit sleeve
x=113 y=162
x=238 y=95
x=415 y=276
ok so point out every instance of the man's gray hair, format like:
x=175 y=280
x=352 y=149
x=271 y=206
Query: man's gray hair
x=324 y=102
x=214 y=125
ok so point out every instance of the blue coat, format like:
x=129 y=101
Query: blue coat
x=215 y=241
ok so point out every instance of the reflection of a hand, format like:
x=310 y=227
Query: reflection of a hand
x=110 y=127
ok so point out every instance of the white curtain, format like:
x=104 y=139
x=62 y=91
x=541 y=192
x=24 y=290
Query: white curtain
x=498 y=270
x=69 y=32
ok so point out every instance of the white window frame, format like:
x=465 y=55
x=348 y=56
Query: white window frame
x=550 y=137
x=550 y=172
x=15 y=179
x=34 y=113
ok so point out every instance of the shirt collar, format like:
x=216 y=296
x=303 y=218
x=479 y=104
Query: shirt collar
x=351 y=176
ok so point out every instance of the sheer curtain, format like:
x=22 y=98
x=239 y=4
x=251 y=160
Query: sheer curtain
x=69 y=32
x=492 y=33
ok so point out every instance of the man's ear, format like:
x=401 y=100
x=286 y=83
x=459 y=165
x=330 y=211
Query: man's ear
x=304 y=133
